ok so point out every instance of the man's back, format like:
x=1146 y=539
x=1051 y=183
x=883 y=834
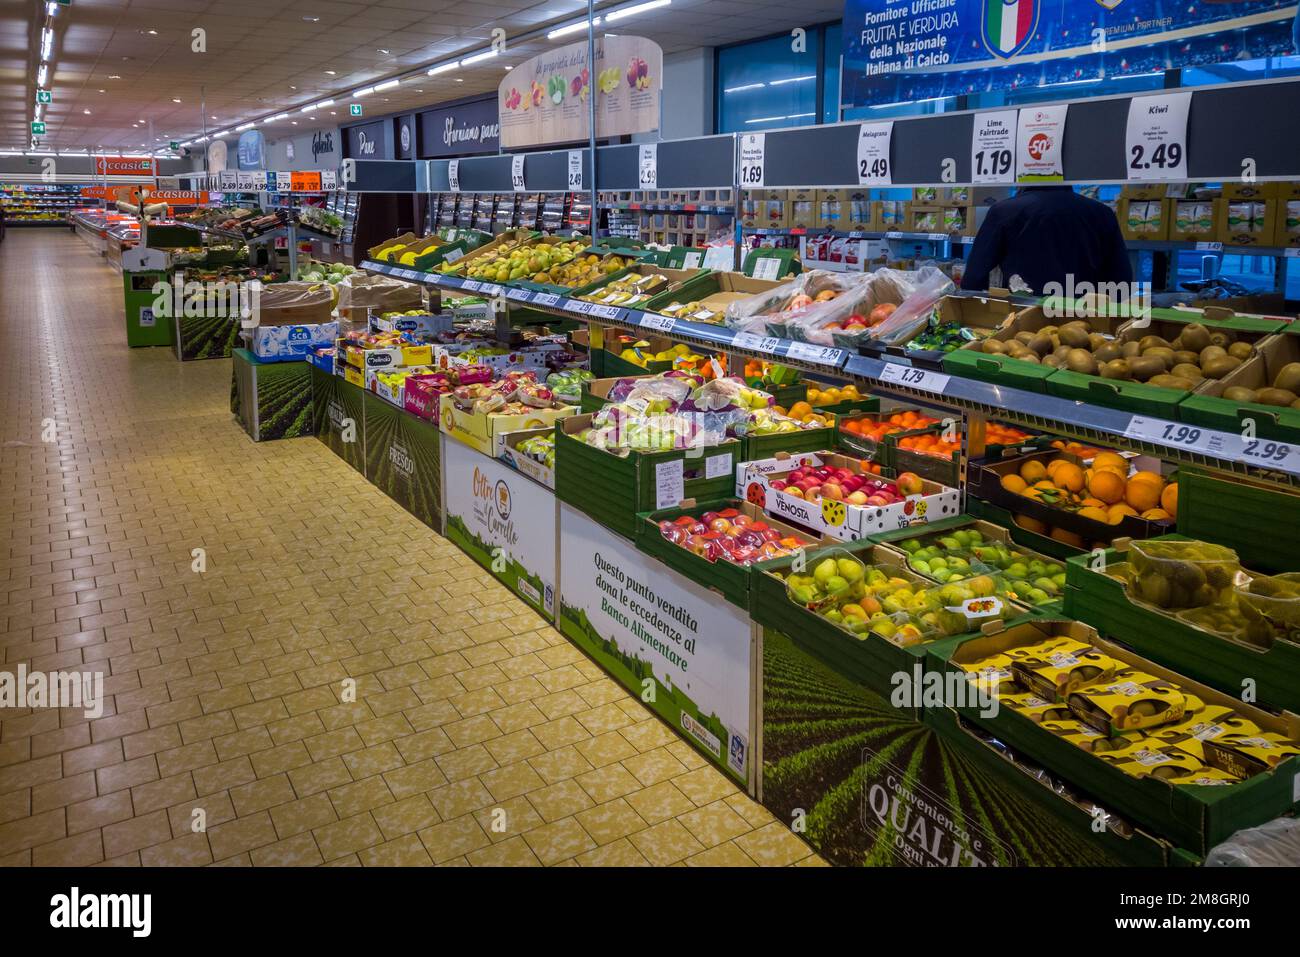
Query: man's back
x=1043 y=235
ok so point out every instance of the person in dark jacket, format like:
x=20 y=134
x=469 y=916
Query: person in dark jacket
x=1045 y=234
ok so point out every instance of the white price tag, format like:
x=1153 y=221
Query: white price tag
x=1040 y=133
x=722 y=258
x=471 y=284
x=575 y=169
x=747 y=340
x=491 y=289
x=914 y=378
x=670 y=484
x=606 y=312
x=517 y=173
x=329 y=180
x=1156 y=142
x=753 y=153
x=874 y=167
x=453 y=175
x=648 y=165
x=518 y=295
x=1209 y=247
x=769 y=267
x=651 y=320
x=1293 y=252
x=453 y=255
x=821 y=355
x=545 y=299
x=577 y=305
x=993 y=147
x=718 y=466
x=692 y=260
x=1263 y=453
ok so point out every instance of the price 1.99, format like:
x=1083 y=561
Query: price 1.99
x=1181 y=434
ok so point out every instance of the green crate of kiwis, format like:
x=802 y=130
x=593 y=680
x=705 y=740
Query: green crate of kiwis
x=1265 y=388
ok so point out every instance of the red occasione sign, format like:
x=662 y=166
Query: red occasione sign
x=123 y=166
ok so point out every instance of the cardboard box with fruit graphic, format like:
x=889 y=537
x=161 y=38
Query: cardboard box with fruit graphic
x=1160 y=770
x=484 y=431
x=836 y=495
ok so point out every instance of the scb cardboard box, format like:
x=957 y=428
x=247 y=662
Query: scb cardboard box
x=838 y=518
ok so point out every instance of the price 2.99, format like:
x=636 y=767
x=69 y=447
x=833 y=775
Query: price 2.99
x=1266 y=451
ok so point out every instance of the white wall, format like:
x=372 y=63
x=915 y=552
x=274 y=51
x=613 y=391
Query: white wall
x=687 y=96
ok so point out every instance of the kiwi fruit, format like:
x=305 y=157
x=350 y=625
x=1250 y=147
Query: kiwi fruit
x=1161 y=352
x=1187 y=370
x=1106 y=352
x=993 y=347
x=1220 y=366
x=1049 y=331
x=1053 y=360
x=1144 y=367
x=1024 y=338
x=1275 y=397
x=1081 y=360
x=1040 y=343
x=1130 y=349
x=1074 y=335
x=1096 y=340
x=1288 y=377
x=1167 y=381
x=1241 y=350
x=1151 y=342
x=1221 y=339
x=1062 y=351
x=1186 y=356
x=1030 y=356
x=1210 y=353
x=1236 y=393
x=1144 y=709
x=1116 y=369
x=1194 y=337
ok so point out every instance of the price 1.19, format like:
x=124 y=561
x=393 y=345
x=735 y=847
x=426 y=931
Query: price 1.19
x=993 y=162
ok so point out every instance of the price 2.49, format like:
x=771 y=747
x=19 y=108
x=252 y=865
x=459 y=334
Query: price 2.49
x=874 y=169
x=1166 y=156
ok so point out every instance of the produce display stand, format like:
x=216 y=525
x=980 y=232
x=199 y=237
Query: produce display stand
x=272 y=400
x=868 y=771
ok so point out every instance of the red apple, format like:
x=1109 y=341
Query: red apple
x=833 y=491
x=778 y=485
x=909 y=483
x=877 y=501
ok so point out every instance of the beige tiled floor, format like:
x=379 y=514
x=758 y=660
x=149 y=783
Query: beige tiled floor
x=478 y=735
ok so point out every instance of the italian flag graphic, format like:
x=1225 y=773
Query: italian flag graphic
x=1009 y=23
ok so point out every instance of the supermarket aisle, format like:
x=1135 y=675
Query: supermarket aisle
x=225 y=687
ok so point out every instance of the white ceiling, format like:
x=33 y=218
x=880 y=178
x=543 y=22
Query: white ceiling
x=265 y=57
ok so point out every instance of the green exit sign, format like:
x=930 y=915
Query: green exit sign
x=173 y=146
x=44 y=96
x=356 y=109
x=38 y=128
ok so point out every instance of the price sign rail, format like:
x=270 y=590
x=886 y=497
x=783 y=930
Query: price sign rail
x=1173 y=441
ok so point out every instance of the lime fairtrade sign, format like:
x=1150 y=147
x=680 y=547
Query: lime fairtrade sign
x=44 y=96
x=38 y=128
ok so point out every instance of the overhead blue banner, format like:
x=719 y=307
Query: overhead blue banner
x=902 y=51
x=250 y=151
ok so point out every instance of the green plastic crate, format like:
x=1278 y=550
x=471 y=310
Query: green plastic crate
x=1000 y=370
x=1261 y=524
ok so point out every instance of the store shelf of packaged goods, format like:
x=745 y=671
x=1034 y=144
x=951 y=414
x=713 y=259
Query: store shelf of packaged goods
x=855 y=234
x=701 y=209
x=1172 y=441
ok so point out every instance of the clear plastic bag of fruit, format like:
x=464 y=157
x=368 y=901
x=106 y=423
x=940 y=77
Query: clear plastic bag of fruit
x=727 y=394
x=730 y=535
x=651 y=396
x=904 y=323
x=1273 y=600
x=767 y=313
x=1174 y=574
x=849 y=320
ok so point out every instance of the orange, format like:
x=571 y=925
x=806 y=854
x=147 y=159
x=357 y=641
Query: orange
x=1143 y=495
x=1117 y=513
x=1106 y=486
x=1055 y=464
x=1069 y=476
x=1091 y=502
x=1068 y=537
x=1156 y=515
x=1110 y=460
x=1169 y=499
x=1031 y=524
x=800 y=409
x=1033 y=471
x=1095 y=513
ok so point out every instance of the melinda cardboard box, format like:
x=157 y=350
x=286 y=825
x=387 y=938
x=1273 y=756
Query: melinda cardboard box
x=839 y=519
x=388 y=357
x=485 y=431
x=522 y=461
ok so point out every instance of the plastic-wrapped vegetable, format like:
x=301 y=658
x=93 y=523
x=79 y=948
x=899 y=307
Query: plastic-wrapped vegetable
x=728 y=394
x=767 y=313
x=849 y=320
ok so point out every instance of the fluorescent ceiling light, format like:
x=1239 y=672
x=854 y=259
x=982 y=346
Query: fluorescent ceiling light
x=444 y=68
x=277 y=117
x=794 y=79
x=746 y=86
x=635 y=9
x=244 y=126
x=324 y=103
x=386 y=85
x=773 y=119
x=42 y=74
x=364 y=91
x=201 y=139
x=52 y=8
x=480 y=57
x=186 y=142
x=74 y=153
x=47 y=43
x=571 y=28
x=41 y=153
x=886 y=106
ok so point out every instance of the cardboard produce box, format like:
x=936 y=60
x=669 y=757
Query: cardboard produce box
x=860 y=213
x=803 y=208
x=839 y=519
x=1195 y=220
x=832 y=208
x=485 y=431
x=1242 y=222
x=1145 y=219
x=297 y=303
x=523 y=462
x=1288 y=217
